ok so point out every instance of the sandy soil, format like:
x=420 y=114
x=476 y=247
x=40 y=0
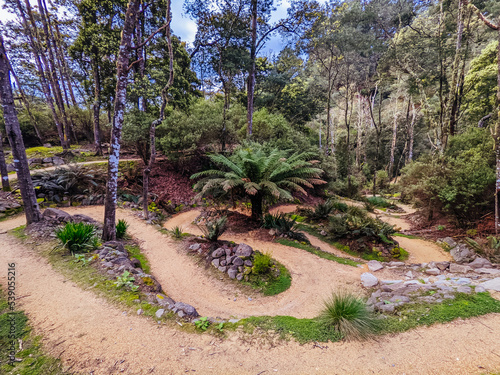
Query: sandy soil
x=94 y=337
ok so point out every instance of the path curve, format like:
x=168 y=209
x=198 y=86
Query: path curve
x=92 y=336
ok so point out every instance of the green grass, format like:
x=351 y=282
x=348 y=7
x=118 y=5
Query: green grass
x=463 y=306
x=19 y=232
x=135 y=252
x=302 y=330
x=409 y=317
x=33 y=360
x=320 y=253
x=379 y=202
x=268 y=285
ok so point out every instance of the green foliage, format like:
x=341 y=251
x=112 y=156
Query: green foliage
x=200 y=127
x=284 y=226
x=202 y=323
x=78 y=237
x=126 y=280
x=460 y=183
x=121 y=229
x=259 y=174
x=379 y=202
x=177 y=233
x=349 y=316
x=262 y=263
x=213 y=228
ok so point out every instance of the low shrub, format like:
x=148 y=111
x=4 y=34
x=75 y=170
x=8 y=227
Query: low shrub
x=379 y=202
x=262 y=263
x=214 y=228
x=121 y=229
x=78 y=237
x=349 y=316
x=284 y=225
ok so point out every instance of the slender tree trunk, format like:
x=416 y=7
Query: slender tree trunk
x=328 y=122
x=497 y=139
x=256 y=201
x=411 y=129
x=154 y=124
x=394 y=138
x=13 y=130
x=251 y=73
x=3 y=167
x=96 y=107
x=122 y=69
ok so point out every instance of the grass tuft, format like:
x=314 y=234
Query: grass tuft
x=78 y=237
x=349 y=316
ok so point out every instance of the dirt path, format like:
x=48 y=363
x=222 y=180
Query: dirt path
x=92 y=336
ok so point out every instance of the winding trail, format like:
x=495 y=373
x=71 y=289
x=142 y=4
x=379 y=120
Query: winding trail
x=93 y=336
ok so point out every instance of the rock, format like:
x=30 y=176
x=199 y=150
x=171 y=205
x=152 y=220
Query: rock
x=188 y=310
x=493 y=284
x=47 y=160
x=459 y=268
x=232 y=273
x=140 y=312
x=230 y=258
x=488 y=271
x=442 y=265
x=433 y=271
x=11 y=167
x=228 y=252
x=387 y=308
x=159 y=313
x=463 y=281
x=223 y=262
x=56 y=214
x=449 y=242
x=375 y=265
x=107 y=265
x=222 y=268
x=409 y=274
x=243 y=250
x=215 y=262
x=135 y=262
x=233 y=321
x=195 y=247
x=480 y=263
x=117 y=245
x=248 y=263
x=57 y=160
x=480 y=289
x=218 y=252
x=399 y=299
x=48 y=145
x=323 y=233
x=462 y=254
x=368 y=280
x=239 y=277
x=396 y=264
x=237 y=261
x=79 y=218
x=464 y=289
x=122 y=261
x=165 y=301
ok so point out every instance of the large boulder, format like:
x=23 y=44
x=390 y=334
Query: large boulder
x=480 y=263
x=56 y=214
x=375 y=265
x=493 y=284
x=462 y=254
x=368 y=280
x=243 y=250
x=185 y=311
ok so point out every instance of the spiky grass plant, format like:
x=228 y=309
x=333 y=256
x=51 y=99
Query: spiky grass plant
x=121 y=229
x=78 y=237
x=348 y=315
x=177 y=233
x=213 y=229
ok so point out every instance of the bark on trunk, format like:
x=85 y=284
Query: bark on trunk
x=256 y=201
x=393 y=143
x=3 y=167
x=13 y=130
x=122 y=69
x=96 y=107
x=251 y=73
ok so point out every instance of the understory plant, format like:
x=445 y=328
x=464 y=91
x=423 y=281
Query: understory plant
x=121 y=229
x=126 y=280
x=284 y=226
x=213 y=228
x=78 y=237
x=348 y=315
